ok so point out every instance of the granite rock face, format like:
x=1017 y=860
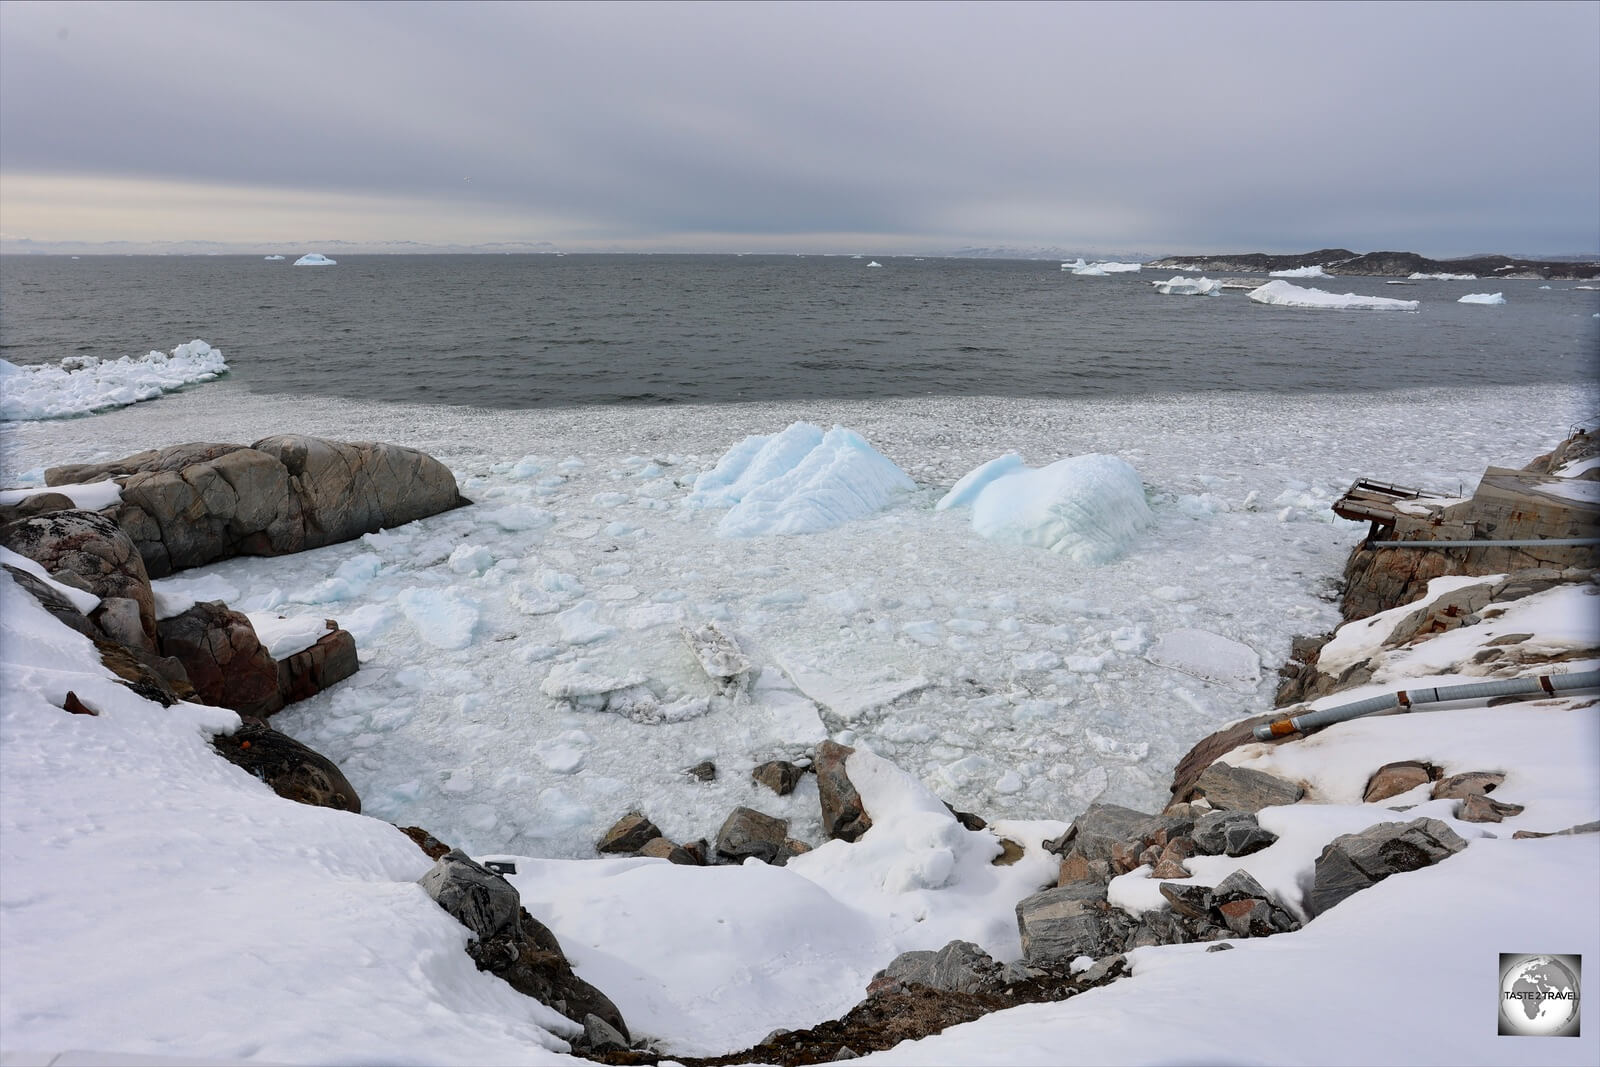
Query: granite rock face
x=194 y=504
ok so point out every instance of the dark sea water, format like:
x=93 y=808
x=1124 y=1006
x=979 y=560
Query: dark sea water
x=531 y=331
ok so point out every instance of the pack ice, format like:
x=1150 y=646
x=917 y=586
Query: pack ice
x=1089 y=508
x=81 y=385
x=798 y=481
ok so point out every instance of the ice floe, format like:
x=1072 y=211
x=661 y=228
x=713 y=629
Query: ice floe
x=1313 y=271
x=1483 y=298
x=798 y=481
x=271 y=258
x=315 y=259
x=81 y=385
x=1207 y=655
x=1181 y=286
x=1284 y=294
x=1089 y=508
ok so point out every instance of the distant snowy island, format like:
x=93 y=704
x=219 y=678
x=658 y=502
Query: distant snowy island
x=1329 y=261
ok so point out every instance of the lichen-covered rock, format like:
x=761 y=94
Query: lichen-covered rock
x=86 y=550
x=224 y=660
x=843 y=815
x=1352 y=862
x=293 y=770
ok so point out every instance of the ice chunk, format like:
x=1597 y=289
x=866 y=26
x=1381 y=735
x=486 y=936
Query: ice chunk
x=965 y=491
x=443 y=617
x=581 y=684
x=470 y=560
x=580 y=624
x=1483 y=298
x=1099 y=269
x=1181 y=286
x=1207 y=655
x=848 y=698
x=271 y=258
x=1313 y=271
x=80 y=385
x=719 y=655
x=874 y=263
x=315 y=259
x=798 y=481
x=283 y=637
x=1089 y=508
x=1283 y=294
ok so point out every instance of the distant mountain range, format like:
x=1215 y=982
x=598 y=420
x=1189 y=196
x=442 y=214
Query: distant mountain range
x=1389 y=264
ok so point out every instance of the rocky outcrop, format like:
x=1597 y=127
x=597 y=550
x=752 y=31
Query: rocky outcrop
x=86 y=550
x=1387 y=264
x=749 y=833
x=778 y=775
x=311 y=670
x=293 y=770
x=510 y=943
x=224 y=661
x=628 y=834
x=194 y=504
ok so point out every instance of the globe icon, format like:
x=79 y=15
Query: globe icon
x=1538 y=997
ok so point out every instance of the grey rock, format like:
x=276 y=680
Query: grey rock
x=1581 y=828
x=1220 y=946
x=1461 y=786
x=1239 y=885
x=1100 y=830
x=1243 y=789
x=1193 y=901
x=960 y=967
x=1352 y=862
x=118 y=618
x=475 y=896
x=747 y=832
x=843 y=815
x=601 y=1036
x=1230 y=833
x=704 y=771
x=1059 y=925
x=54 y=602
x=1105 y=969
x=37 y=504
x=628 y=834
x=845 y=1053
x=778 y=775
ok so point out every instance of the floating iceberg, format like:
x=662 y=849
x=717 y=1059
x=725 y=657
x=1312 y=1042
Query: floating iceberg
x=874 y=263
x=315 y=259
x=1090 y=508
x=799 y=481
x=1313 y=271
x=81 y=385
x=1100 y=269
x=1420 y=277
x=1286 y=295
x=271 y=257
x=1483 y=298
x=1181 y=286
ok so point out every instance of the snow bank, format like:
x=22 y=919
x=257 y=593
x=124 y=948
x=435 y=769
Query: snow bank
x=1313 y=271
x=315 y=259
x=798 y=481
x=1283 y=294
x=91 y=496
x=1181 y=286
x=81 y=385
x=1090 y=508
x=1483 y=298
x=1420 y=277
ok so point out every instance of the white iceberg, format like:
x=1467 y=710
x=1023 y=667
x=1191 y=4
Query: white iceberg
x=269 y=258
x=1483 y=298
x=874 y=263
x=315 y=259
x=81 y=385
x=1313 y=271
x=1283 y=294
x=1181 y=286
x=1089 y=508
x=798 y=481
x=1100 y=268
x=1420 y=277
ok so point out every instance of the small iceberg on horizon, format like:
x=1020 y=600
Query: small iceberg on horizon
x=269 y=258
x=1483 y=298
x=315 y=259
x=1180 y=286
x=1418 y=276
x=874 y=263
x=1100 y=268
x=1313 y=271
x=1284 y=294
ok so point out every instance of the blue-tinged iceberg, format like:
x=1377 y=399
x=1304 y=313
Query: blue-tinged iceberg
x=315 y=259
x=798 y=481
x=1089 y=508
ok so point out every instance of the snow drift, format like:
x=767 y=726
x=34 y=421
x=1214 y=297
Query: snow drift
x=798 y=481
x=1090 y=508
x=82 y=385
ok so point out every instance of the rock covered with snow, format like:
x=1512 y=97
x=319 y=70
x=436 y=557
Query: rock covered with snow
x=1089 y=508
x=1283 y=294
x=192 y=504
x=315 y=259
x=798 y=481
x=88 y=551
x=81 y=385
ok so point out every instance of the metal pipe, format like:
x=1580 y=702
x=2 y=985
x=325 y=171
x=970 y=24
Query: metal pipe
x=1550 y=542
x=1408 y=698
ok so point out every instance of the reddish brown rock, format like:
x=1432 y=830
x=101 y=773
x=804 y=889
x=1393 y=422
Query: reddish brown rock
x=662 y=849
x=1402 y=776
x=778 y=775
x=430 y=845
x=76 y=706
x=86 y=550
x=224 y=661
x=311 y=670
x=1480 y=808
x=629 y=834
x=843 y=815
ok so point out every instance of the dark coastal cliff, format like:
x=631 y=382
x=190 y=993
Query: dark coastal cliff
x=1388 y=264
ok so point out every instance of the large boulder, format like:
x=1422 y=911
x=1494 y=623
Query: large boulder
x=512 y=944
x=960 y=966
x=88 y=551
x=843 y=815
x=293 y=770
x=192 y=504
x=1243 y=789
x=1059 y=925
x=225 y=661
x=311 y=670
x=747 y=832
x=1352 y=862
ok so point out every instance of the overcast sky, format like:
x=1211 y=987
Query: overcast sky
x=1444 y=128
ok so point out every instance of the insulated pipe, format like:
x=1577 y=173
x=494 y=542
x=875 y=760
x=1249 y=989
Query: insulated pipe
x=1550 y=542
x=1408 y=698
